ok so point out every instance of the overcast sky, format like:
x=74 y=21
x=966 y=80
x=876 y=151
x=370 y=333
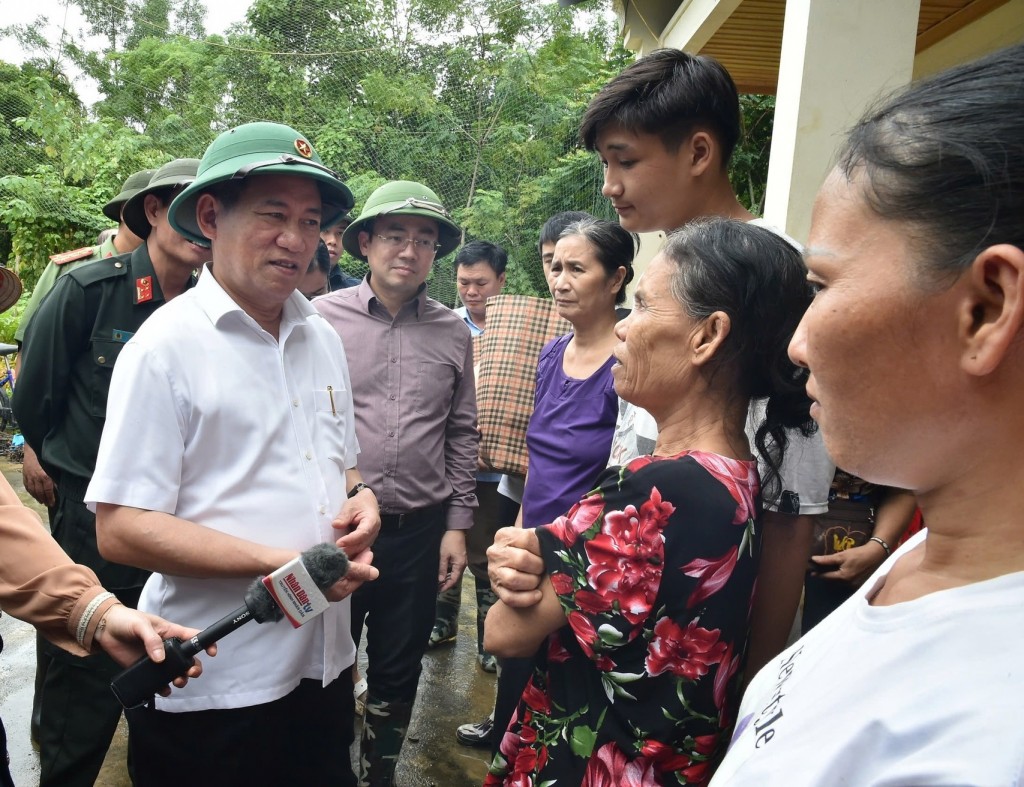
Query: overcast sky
x=60 y=14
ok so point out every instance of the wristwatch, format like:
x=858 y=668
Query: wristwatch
x=358 y=488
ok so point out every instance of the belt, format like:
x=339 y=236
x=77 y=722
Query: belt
x=410 y=518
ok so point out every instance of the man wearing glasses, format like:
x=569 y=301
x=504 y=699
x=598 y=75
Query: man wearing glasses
x=70 y=350
x=411 y=360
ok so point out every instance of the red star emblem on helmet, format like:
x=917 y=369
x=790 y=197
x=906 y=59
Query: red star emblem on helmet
x=304 y=148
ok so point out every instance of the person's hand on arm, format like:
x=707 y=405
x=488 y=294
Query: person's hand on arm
x=127 y=635
x=515 y=567
x=511 y=632
x=37 y=482
x=892 y=518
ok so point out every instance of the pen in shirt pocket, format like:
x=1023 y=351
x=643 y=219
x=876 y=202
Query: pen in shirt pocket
x=330 y=393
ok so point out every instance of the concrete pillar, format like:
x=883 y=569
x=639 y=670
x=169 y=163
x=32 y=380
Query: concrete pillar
x=838 y=56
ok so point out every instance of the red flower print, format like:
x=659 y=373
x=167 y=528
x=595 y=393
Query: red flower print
x=705 y=744
x=592 y=603
x=698 y=773
x=665 y=757
x=627 y=556
x=579 y=520
x=711 y=575
x=726 y=669
x=585 y=632
x=609 y=767
x=740 y=478
x=562 y=583
x=526 y=760
x=557 y=654
x=685 y=652
x=538 y=701
x=641 y=461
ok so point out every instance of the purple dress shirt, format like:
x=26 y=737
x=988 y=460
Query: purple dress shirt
x=415 y=400
x=569 y=435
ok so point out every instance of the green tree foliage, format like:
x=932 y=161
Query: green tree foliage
x=478 y=99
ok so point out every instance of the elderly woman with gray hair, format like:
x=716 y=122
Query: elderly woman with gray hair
x=641 y=620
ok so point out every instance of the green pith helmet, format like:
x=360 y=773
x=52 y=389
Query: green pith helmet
x=131 y=187
x=258 y=149
x=403 y=198
x=179 y=172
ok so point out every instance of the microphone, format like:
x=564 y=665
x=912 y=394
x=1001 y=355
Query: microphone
x=292 y=590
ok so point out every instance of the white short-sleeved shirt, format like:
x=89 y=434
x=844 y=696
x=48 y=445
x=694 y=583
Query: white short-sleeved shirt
x=925 y=692
x=213 y=420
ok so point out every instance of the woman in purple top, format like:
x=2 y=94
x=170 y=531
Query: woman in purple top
x=570 y=431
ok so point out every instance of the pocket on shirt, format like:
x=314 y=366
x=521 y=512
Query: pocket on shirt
x=330 y=400
x=434 y=382
x=104 y=355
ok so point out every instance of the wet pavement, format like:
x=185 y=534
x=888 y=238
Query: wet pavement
x=453 y=690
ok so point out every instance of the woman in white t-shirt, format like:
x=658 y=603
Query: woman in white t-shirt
x=915 y=345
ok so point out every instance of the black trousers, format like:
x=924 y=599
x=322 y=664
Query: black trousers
x=301 y=739
x=398 y=607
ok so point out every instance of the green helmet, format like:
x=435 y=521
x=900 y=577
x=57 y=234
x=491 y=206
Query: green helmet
x=134 y=183
x=403 y=198
x=258 y=149
x=173 y=174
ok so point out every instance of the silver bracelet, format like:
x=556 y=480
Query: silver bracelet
x=90 y=610
x=882 y=544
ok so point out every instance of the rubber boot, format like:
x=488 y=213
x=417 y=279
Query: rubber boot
x=485 y=599
x=384 y=728
x=446 y=618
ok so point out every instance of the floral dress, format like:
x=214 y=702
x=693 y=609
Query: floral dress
x=655 y=572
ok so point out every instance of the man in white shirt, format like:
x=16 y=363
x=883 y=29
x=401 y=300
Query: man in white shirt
x=229 y=448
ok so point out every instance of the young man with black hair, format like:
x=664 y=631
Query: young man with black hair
x=665 y=129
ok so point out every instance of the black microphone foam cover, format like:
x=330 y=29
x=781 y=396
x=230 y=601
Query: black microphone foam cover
x=261 y=604
x=326 y=564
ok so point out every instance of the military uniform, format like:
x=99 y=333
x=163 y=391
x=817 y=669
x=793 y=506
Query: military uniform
x=60 y=402
x=59 y=265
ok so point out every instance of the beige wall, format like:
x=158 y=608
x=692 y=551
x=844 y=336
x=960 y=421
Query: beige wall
x=997 y=29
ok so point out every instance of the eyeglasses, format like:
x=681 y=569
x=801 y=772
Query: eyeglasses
x=285 y=158
x=422 y=204
x=400 y=242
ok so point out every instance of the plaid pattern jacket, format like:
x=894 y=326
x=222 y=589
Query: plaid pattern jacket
x=518 y=327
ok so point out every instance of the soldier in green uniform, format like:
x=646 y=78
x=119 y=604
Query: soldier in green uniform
x=37 y=482
x=122 y=242
x=71 y=347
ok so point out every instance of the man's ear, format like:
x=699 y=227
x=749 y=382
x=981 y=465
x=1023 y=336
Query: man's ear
x=501 y=280
x=708 y=337
x=364 y=243
x=207 y=208
x=702 y=150
x=991 y=313
x=151 y=205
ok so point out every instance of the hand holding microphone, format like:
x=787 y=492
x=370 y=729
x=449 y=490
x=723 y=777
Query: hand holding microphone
x=292 y=590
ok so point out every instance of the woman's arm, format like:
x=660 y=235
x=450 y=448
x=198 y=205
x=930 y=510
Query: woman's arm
x=513 y=633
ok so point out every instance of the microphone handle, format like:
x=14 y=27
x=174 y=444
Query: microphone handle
x=137 y=684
